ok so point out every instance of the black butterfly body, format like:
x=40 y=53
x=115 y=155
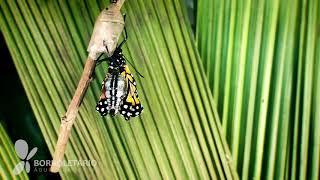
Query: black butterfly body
x=119 y=92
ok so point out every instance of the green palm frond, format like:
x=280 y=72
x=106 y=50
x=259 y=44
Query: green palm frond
x=262 y=62
x=179 y=134
x=8 y=157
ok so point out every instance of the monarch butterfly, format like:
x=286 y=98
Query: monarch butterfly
x=119 y=88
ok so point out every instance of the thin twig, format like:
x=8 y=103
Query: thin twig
x=69 y=118
x=86 y=77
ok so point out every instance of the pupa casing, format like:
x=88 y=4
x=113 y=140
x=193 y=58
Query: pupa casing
x=107 y=31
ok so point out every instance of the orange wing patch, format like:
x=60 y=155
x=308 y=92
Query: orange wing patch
x=131 y=105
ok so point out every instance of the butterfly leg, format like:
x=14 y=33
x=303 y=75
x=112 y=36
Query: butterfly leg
x=93 y=76
x=99 y=60
x=124 y=17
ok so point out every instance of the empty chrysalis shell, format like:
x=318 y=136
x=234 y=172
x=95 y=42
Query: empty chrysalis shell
x=106 y=32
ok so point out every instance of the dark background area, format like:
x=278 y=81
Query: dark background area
x=16 y=114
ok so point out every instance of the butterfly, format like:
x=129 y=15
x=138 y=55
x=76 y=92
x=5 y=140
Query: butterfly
x=119 y=89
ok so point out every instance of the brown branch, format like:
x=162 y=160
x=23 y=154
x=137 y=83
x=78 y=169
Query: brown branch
x=108 y=26
x=68 y=120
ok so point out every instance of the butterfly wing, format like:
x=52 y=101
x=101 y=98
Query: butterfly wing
x=131 y=105
x=114 y=90
x=102 y=104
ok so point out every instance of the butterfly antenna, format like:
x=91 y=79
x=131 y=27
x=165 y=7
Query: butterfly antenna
x=134 y=67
